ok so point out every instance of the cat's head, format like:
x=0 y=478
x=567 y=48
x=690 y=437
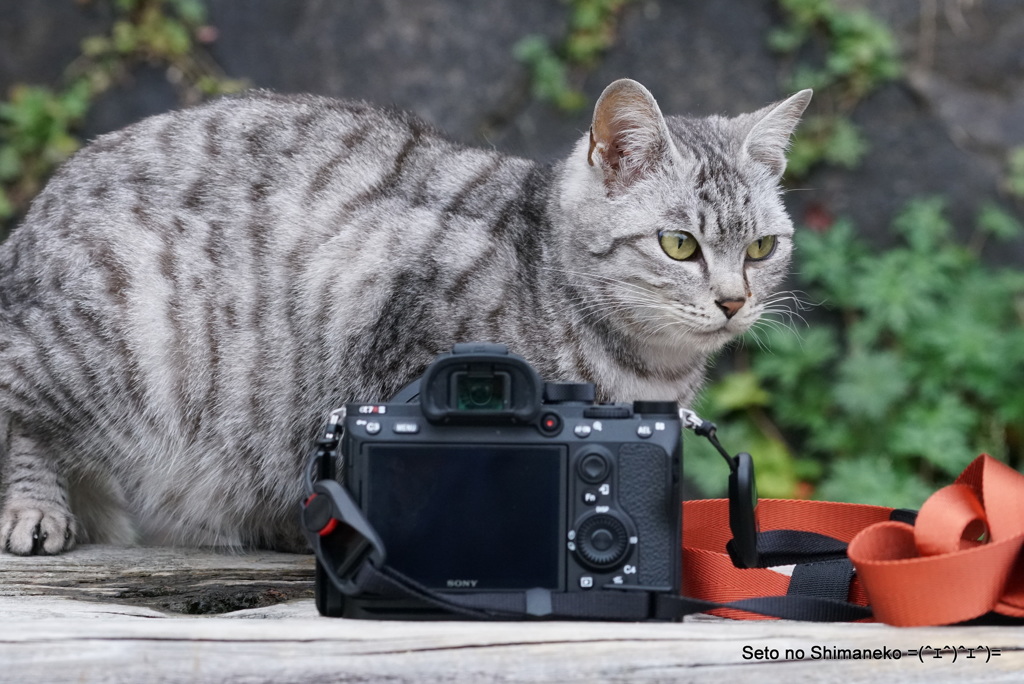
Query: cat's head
x=677 y=232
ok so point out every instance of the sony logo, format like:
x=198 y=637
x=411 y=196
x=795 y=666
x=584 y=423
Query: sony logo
x=461 y=583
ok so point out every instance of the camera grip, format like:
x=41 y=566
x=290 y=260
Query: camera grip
x=645 y=486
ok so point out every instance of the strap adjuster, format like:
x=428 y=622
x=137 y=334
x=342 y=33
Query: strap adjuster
x=341 y=537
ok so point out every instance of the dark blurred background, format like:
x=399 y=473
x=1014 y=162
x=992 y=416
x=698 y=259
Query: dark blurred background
x=914 y=99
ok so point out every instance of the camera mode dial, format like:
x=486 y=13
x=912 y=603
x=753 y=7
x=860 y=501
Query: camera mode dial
x=602 y=541
x=656 y=408
x=569 y=392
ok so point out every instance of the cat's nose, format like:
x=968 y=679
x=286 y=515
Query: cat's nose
x=730 y=306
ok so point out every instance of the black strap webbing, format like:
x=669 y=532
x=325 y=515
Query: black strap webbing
x=825 y=579
x=788 y=547
x=599 y=604
x=806 y=608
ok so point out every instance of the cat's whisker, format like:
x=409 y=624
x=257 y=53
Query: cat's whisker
x=603 y=279
x=608 y=307
x=781 y=323
x=786 y=316
x=754 y=334
x=621 y=303
x=778 y=326
x=765 y=324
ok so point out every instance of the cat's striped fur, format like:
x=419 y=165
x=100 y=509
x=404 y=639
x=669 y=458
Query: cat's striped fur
x=188 y=297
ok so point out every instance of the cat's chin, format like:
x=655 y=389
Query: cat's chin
x=703 y=342
x=713 y=341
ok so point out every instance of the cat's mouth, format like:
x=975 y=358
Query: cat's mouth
x=728 y=329
x=721 y=333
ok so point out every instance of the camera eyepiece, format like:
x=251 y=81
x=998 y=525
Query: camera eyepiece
x=480 y=383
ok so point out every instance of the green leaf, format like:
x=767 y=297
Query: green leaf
x=924 y=225
x=550 y=76
x=870 y=384
x=937 y=432
x=191 y=11
x=808 y=12
x=805 y=76
x=830 y=262
x=1015 y=172
x=845 y=145
x=804 y=153
x=872 y=479
x=792 y=360
x=96 y=46
x=776 y=469
x=6 y=207
x=76 y=100
x=898 y=289
x=737 y=391
x=10 y=163
x=787 y=39
x=998 y=223
x=125 y=37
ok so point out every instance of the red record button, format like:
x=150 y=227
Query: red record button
x=550 y=423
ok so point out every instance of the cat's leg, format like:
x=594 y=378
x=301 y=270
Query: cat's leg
x=35 y=517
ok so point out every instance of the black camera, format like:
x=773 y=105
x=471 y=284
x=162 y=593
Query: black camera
x=483 y=487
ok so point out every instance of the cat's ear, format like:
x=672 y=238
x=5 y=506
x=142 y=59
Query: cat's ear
x=628 y=137
x=768 y=139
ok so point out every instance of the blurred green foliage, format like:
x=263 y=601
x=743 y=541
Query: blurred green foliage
x=1014 y=182
x=915 y=371
x=859 y=50
x=38 y=123
x=843 y=55
x=590 y=30
x=35 y=136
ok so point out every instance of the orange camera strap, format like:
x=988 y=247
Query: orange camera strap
x=960 y=560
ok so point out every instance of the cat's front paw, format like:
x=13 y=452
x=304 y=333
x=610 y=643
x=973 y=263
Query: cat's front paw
x=36 y=529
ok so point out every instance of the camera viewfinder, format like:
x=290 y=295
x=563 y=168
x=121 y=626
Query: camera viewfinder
x=481 y=391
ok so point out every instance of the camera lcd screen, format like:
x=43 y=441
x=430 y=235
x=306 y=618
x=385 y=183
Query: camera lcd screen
x=469 y=517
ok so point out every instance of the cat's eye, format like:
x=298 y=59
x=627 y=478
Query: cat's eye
x=679 y=244
x=761 y=248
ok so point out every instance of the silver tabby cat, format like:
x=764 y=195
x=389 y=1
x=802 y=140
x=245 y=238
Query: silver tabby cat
x=190 y=296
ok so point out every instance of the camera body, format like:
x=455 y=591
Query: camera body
x=495 y=481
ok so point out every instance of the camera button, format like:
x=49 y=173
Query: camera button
x=593 y=468
x=550 y=423
x=586 y=582
x=372 y=427
x=590 y=497
x=582 y=430
x=644 y=431
x=407 y=428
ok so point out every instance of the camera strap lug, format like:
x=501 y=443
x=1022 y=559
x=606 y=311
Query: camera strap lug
x=335 y=426
x=326 y=447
